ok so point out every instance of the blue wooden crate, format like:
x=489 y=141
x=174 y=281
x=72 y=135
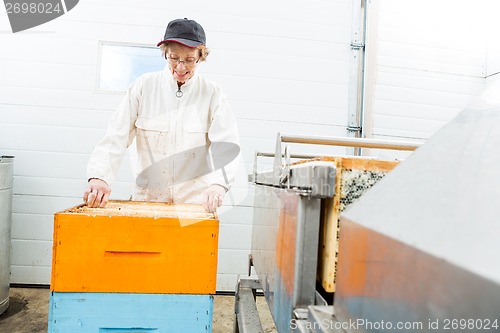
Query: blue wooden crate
x=130 y=313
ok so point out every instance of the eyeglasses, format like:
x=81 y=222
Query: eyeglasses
x=188 y=62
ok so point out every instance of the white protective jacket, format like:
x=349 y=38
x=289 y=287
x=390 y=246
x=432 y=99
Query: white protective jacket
x=184 y=144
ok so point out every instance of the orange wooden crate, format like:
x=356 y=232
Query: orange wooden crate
x=135 y=247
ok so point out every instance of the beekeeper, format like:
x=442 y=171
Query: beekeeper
x=186 y=135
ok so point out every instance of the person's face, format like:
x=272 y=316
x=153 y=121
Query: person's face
x=182 y=61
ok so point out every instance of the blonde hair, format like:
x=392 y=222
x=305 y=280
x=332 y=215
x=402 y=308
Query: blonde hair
x=202 y=49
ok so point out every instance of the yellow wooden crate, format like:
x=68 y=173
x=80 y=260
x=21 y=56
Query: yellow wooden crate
x=354 y=177
x=135 y=247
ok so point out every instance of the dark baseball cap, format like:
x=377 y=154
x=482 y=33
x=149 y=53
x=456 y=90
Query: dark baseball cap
x=185 y=32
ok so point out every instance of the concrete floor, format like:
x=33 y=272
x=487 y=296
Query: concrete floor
x=28 y=312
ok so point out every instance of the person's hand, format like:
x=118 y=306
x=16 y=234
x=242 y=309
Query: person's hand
x=97 y=193
x=212 y=197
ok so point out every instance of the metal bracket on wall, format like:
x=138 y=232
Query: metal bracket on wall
x=250 y=264
x=355 y=129
x=357 y=46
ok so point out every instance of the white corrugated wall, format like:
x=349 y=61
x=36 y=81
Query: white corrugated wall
x=283 y=65
x=427 y=62
x=493 y=57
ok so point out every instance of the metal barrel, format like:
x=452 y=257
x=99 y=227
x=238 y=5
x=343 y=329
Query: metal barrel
x=6 y=179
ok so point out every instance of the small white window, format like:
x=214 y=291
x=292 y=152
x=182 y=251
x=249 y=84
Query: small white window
x=121 y=64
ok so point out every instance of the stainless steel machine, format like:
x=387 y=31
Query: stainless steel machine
x=289 y=237
x=416 y=253
x=419 y=253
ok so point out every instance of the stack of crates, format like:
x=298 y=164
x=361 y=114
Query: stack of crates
x=133 y=267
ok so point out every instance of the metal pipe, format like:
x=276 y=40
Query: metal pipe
x=357 y=66
x=329 y=141
x=351 y=142
x=268 y=154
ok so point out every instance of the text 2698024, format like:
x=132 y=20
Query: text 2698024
x=33 y=8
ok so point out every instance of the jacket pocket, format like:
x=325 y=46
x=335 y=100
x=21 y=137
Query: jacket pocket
x=152 y=135
x=195 y=134
x=148 y=124
x=196 y=127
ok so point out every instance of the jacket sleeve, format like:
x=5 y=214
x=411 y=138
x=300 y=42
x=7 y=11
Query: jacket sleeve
x=106 y=158
x=224 y=143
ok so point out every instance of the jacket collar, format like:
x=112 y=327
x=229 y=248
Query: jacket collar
x=173 y=83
